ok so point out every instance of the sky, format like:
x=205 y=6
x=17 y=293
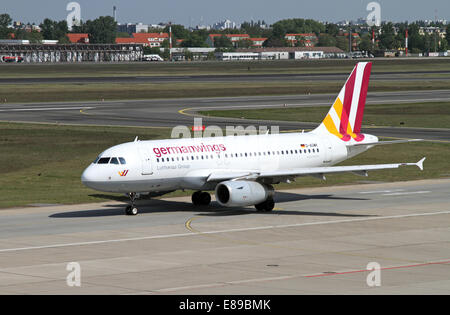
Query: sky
x=207 y=12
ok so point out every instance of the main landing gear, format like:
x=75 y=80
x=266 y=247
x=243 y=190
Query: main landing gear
x=131 y=209
x=201 y=198
x=265 y=206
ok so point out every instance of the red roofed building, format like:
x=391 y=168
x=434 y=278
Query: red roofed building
x=355 y=40
x=147 y=39
x=80 y=38
x=258 y=41
x=235 y=38
x=307 y=39
x=125 y=40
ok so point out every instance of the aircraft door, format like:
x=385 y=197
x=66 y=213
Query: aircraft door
x=146 y=161
x=328 y=151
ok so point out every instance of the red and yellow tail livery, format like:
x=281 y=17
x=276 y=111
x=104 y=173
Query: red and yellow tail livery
x=345 y=116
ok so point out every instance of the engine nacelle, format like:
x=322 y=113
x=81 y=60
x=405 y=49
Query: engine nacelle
x=242 y=193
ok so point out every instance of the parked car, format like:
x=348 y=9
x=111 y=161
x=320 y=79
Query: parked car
x=152 y=58
x=12 y=59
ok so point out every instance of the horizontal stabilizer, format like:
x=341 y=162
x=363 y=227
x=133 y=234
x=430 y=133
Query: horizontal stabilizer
x=385 y=142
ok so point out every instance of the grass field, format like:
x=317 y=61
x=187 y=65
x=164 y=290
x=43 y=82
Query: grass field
x=60 y=92
x=42 y=163
x=428 y=115
x=208 y=68
x=110 y=91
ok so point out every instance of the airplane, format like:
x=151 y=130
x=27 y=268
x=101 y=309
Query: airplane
x=242 y=169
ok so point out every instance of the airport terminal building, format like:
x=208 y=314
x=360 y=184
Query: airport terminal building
x=38 y=53
x=282 y=53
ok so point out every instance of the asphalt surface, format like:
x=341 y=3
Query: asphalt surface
x=384 y=76
x=316 y=241
x=173 y=112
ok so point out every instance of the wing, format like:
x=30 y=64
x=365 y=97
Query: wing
x=313 y=171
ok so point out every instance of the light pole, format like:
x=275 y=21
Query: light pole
x=406 y=43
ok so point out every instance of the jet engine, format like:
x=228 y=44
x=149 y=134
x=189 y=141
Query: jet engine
x=242 y=193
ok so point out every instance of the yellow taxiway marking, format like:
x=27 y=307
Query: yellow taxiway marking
x=188 y=225
x=183 y=112
x=82 y=111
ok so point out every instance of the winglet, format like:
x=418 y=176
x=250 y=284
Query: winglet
x=420 y=164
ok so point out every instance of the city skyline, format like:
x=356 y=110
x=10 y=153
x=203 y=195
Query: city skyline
x=202 y=12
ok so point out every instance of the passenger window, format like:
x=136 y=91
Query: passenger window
x=104 y=160
x=114 y=161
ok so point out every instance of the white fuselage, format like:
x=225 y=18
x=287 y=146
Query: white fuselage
x=164 y=165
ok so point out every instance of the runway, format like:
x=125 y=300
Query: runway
x=297 y=77
x=316 y=241
x=173 y=112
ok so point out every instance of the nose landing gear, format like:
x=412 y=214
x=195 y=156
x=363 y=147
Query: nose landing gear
x=131 y=209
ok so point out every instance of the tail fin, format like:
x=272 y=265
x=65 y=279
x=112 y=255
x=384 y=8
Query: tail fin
x=345 y=116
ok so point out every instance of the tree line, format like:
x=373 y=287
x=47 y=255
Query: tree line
x=390 y=36
x=102 y=30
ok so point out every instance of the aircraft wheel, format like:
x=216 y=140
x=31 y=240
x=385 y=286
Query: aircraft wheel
x=201 y=198
x=196 y=198
x=205 y=198
x=265 y=206
x=131 y=210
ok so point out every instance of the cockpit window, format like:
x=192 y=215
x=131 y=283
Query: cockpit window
x=96 y=160
x=114 y=161
x=104 y=160
x=122 y=160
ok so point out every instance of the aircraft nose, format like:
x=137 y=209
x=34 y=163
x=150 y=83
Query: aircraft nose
x=88 y=176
